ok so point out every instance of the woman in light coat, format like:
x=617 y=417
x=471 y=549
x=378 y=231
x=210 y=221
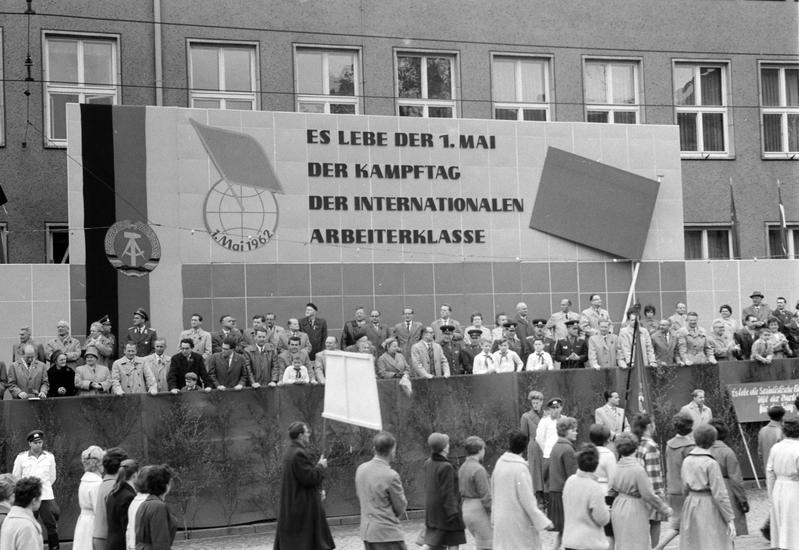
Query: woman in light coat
x=515 y=515
x=392 y=363
x=91 y=459
x=782 y=473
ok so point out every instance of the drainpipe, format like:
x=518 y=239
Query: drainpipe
x=159 y=68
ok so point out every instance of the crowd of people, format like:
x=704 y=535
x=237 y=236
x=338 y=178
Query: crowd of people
x=122 y=505
x=266 y=354
x=610 y=493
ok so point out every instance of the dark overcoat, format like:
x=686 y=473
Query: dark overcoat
x=301 y=521
x=442 y=508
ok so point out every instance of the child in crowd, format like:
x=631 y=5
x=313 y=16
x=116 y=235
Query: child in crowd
x=762 y=349
x=539 y=359
x=191 y=382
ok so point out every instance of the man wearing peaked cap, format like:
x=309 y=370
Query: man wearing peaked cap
x=452 y=349
x=758 y=308
x=39 y=463
x=572 y=351
x=141 y=335
x=470 y=351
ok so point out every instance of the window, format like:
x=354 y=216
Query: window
x=700 y=100
x=327 y=80
x=611 y=91
x=222 y=76
x=710 y=243
x=426 y=85
x=775 y=249
x=57 y=243
x=779 y=109
x=77 y=69
x=520 y=88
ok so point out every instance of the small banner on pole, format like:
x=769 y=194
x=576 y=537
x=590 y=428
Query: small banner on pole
x=351 y=390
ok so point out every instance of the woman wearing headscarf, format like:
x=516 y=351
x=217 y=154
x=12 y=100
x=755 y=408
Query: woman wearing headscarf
x=91 y=459
x=444 y=527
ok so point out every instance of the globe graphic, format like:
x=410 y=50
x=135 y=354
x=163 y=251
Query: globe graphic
x=240 y=217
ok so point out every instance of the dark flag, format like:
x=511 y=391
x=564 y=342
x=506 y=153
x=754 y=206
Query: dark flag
x=736 y=250
x=3 y=201
x=638 y=397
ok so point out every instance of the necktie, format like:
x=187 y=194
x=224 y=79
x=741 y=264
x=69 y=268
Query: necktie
x=409 y=327
x=297 y=373
x=430 y=356
x=541 y=358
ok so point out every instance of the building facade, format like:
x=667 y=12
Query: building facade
x=719 y=69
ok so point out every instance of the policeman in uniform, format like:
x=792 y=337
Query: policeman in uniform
x=39 y=463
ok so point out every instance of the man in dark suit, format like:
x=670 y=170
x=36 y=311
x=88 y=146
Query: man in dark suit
x=187 y=361
x=315 y=327
x=469 y=352
x=227 y=369
x=376 y=332
x=665 y=344
x=353 y=328
x=745 y=337
x=408 y=332
x=572 y=351
x=139 y=334
x=227 y=330
x=262 y=360
x=382 y=498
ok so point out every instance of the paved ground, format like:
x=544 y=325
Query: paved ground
x=346 y=536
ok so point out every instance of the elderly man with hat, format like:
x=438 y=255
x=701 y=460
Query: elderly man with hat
x=758 y=308
x=93 y=377
x=316 y=329
x=572 y=351
x=139 y=334
x=38 y=463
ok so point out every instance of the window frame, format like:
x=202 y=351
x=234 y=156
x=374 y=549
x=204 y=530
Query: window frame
x=520 y=106
x=613 y=108
x=51 y=228
x=223 y=96
x=80 y=89
x=792 y=238
x=783 y=110
x=325 y=98
x=724 y=109
x=704 y=228
x=424 y=102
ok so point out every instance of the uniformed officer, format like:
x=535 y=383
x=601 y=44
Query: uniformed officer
x=39 y=463
x=139 y=334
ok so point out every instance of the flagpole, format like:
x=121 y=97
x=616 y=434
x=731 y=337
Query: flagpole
x=783 y=222
x=630 y=294
x=736 y=241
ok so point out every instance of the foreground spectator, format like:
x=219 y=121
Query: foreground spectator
x=630 y=512
x=475 y=490
x=516 y=517
x=7 y=483
x=38 y=463
x=20 y=530
x=562 y=464
x=707 y=517
x=782 y=470
x=91 y=459
x=648 y=455
x=586 y=513
x=140 y=484
x=442 y=509
x=731 y=472
x=529 y=427
x=697 y=410
x=611 y=415
x=677 y=448
x=117 y=504
x=606 y=468
x=112 y=460
x=381 y=496
x=301 y=521
x=155 y=525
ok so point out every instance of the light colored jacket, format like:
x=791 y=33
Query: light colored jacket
x=585 y=513
x=515 y=515
x=30 y=380
x=382 y=499
x=602 y=351
x=132 y=376
x=21 y=531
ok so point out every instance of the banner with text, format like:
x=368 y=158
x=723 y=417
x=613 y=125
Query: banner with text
x=752 y=400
